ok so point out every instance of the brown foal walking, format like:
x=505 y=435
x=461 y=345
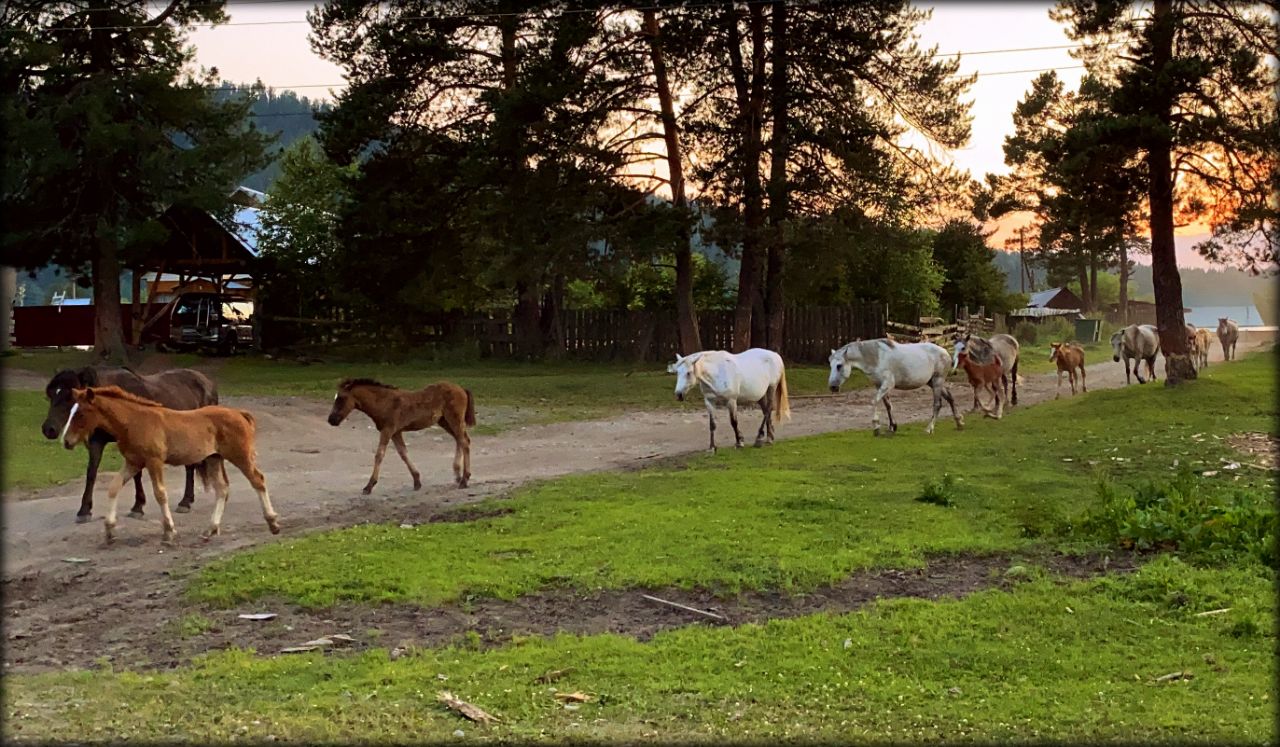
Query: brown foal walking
x=394 y=411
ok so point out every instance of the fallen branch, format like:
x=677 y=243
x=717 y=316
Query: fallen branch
x=686 y=608
x=553 y=675
x=1213 y=612
x=467 y=710
x=1175 y=676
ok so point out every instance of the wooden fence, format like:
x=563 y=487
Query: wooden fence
x=809 y=334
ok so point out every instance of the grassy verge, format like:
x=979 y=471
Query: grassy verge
x=1045 y=661
x=30 y=459
x=803 y=513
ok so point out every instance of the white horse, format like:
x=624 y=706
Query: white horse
x=1137 y=342
x=891 y=365
x=755 y=376
x=1228 y=334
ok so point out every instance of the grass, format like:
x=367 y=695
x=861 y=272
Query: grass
x=30 y=459
x=1041 y=660
x=800 y=514
x=1045 y=661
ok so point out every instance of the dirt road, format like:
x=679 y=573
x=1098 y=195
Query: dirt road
x=315 y=471
x=115 y=601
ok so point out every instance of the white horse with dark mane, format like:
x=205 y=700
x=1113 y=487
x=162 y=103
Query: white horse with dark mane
x=891 y=365
x=1137 y=342
x=752 y=377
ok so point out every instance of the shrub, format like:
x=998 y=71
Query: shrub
x=1180 y=515
x=1057 y=330
x=940 y=492
x=1026 y=332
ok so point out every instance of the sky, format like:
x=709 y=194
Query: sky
x=268 y=41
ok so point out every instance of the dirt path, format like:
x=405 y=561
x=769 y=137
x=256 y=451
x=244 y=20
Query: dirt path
x=315 y=473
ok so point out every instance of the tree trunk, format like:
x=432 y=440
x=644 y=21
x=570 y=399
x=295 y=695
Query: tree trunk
x=688 y=340
x=779 y=189
x=1091 y=303
x=526 y=322
x=750 y=99
x=1124 y=283
x=1164 y=258
x=550 y=323
x=1082 y=277
x=108 y=332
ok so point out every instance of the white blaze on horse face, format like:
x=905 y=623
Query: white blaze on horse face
x=67 y=427
x=955 y=360
x=839 y=370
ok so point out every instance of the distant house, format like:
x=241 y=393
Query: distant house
x=1055 y=302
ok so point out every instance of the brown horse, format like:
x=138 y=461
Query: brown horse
x=180 y=389
x=984 y=376
x=1203 y=339
x=394 y=411
x=151 y=435
x=1070 y=358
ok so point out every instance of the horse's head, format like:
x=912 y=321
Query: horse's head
x=58 y=392
x=1117 y=341
x=840 y=367
x=1055 y=351
x=962 y=344
x=685 y=375
x=343 y=403
x=82 y=419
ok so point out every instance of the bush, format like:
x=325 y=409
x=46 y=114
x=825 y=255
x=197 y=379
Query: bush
x=1057 y=330
x=1026 y=332
x=1179 y=515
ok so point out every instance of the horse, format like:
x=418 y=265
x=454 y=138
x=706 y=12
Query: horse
x=891 y=365
x=984 y=376
x=1137 y=342
x=755 y=376
x=394 y=411
x=1069 y=358
x=1228 y=335
x=1204 y=340
x=179 y=389
x=151 y=435
x=983 y=350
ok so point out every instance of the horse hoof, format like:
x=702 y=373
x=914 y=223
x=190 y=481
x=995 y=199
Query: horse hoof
x=758 y=443
x=170 y=539
x=181 y=508
x=417 y=486
x=83 y=518
x=367 y=489
x=136 y=514
x=274 y=526
x=462 y=483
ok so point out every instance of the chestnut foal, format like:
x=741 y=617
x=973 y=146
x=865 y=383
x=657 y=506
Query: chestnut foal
x=394 y=411
x=1069 y=358
x=984 y=376
x=151 y=435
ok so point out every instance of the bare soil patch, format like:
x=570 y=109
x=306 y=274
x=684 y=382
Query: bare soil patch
x=139 y=623
x=1262 y=449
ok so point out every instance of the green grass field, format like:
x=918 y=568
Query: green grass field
x=30 y=459
x=1045 y=659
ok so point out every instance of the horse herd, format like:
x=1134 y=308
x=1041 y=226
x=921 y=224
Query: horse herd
x=173 y=417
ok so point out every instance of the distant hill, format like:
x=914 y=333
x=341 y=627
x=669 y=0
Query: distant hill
x=283 y=113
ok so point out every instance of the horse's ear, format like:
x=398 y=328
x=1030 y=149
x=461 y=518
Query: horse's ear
x=82 y=395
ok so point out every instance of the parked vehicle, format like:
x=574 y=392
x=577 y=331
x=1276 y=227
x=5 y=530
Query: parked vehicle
x=210 y=320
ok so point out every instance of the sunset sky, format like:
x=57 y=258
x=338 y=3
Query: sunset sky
x=269 y=41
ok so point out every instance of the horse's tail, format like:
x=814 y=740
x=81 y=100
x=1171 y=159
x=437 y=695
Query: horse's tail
x=471 y=408
x=781 y=405
x=202 y=469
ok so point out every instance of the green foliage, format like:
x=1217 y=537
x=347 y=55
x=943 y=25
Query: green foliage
x=1107 y=288
x=1026 y=332
x=941 y=491
x=1183 y=514
x=971 y=276
x=652 y=287
x=1055 y=329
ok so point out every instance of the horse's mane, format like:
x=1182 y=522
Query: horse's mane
x=115 y=392
x=349 y=383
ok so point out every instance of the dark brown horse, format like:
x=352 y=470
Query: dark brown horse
x=180 y=389
x=394 y=411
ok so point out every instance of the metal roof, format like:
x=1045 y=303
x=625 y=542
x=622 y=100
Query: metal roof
x=1038 y=300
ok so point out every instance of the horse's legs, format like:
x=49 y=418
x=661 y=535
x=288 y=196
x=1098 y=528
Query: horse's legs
x=398 y=441
x=246 y=464
x=884 y=388
x=139 y=497
x=946 y=394
x=937 y=404
x=217 y=472
x=1083 y=388
x=1057 y=392
x=893 y=426
x=1137 y=370
x=995 y=392
x=1151 y=368
x=711 y=421
x=461 y=456
x=383 y=438
x=126 y=473
x=156 y=469
x=95 y=447
x=733 y=420
x=765 y=407
x=1013 y=374
x=189 y=493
